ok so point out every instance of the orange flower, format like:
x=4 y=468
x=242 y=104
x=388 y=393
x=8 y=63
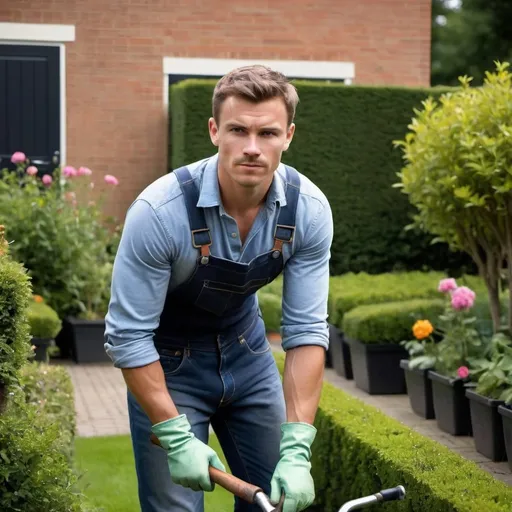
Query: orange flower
x=38 y=298
x=422 y=329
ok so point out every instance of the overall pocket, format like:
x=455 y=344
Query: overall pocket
x=173 y=360
x=254 y=340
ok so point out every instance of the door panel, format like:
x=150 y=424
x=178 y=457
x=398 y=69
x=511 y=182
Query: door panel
x=30 y=105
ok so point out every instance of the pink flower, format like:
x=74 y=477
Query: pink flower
x=18 y=157
x=463 y=298
x=447 y=285
x=463 y=372
x=31 y=170
x=47 y=180
x=111 y=180
x=84 y=171
x=69 y=171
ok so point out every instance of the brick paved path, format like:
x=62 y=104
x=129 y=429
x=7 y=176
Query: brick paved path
x=100 y=401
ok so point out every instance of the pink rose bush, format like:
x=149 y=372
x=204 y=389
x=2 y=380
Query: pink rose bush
x=460 y=346
x=61 y=234
x=463 y=298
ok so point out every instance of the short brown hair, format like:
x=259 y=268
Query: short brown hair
x=255 y=83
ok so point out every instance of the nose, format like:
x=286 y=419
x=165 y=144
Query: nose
x=251 y=148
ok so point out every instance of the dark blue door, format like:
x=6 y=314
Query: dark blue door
x=30 y=105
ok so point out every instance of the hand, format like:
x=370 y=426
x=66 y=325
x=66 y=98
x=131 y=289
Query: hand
x=188 y=457
x=293 y=471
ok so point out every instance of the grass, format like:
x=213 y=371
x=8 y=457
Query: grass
x=108 y=476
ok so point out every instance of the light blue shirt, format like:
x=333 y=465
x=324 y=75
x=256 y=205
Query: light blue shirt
x=155 y=255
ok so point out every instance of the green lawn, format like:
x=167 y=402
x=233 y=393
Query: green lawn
x=108 y=475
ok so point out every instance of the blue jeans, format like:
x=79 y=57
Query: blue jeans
x=232 y=384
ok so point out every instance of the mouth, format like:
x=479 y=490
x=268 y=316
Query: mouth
x=251 y=165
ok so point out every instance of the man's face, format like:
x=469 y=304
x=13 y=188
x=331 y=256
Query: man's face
x=251 y=138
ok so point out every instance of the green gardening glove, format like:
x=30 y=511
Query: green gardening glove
x=188 y=457
x=292 y=474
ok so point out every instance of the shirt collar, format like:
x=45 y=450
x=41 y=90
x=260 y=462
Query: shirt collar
x=209 y=194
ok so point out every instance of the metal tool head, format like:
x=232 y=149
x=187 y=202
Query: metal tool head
x=263 y=501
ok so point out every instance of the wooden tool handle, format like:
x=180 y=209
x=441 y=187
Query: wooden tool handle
x=231 y=483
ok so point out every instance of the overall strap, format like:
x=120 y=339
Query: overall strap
x=285 y=228
x=201 y=238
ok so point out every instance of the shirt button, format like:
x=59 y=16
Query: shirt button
x=233 y=235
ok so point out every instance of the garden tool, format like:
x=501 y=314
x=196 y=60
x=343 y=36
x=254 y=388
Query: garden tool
x=240 y=488
x=255 y=495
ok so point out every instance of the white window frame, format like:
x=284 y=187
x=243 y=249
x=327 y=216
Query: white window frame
x=42 y=34
x=305 y=69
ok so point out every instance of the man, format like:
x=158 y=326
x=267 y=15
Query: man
x=184 y=323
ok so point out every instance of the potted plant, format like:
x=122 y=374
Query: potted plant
x=493 y=388
x=44 y=326
x=461 y=344
x=422 y=357
x=374 y=333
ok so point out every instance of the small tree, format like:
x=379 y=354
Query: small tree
x=458 y=174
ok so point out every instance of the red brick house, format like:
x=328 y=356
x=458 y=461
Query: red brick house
x=89 y=79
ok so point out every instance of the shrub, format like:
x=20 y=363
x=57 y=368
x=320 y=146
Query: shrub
x=388 y=322
x=457 y=175
x=60 y=235
x=50 y=390
x=270 y=306
x=35 y=473
x=351 y=290
x=44 y=321
x=15 y=294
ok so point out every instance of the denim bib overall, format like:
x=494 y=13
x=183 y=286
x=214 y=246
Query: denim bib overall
x=219 y=295
x=217 y=363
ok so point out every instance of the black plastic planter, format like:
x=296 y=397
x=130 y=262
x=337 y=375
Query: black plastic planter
x=340 y=353
x=41 y=350
x=419 y=389
x=487 y=426
x=86 y=338
x=506 y=418
x=376 y=367
x=451 y=406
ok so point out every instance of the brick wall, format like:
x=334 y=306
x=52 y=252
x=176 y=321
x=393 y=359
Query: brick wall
x=115 y=115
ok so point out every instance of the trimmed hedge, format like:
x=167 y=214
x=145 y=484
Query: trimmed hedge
x=15 y=294
x=359 y=451
x=49 y=389
x=390 y=322
x=351 y=290
x=270 y=306
x=35 y=471
x=37 y=414
x=44 y=321
x=344 y=143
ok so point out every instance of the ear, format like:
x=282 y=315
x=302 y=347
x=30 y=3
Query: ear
x=289 y=136
x=214 y=131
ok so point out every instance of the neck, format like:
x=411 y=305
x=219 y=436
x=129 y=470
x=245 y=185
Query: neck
x=238 y=200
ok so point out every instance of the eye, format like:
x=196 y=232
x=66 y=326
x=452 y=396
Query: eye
x=236 y=129
x=268 y=134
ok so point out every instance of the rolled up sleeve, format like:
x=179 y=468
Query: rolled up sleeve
x=141 y=274
x=306 y=286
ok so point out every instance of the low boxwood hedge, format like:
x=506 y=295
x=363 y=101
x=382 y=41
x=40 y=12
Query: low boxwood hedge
x=36 y=443
x=270 y=306
x=390 y=322
x=359 y=450
x=44 y=321
x=351 y=290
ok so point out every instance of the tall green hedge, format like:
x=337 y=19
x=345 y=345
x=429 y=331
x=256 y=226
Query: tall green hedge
x=343 y=142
